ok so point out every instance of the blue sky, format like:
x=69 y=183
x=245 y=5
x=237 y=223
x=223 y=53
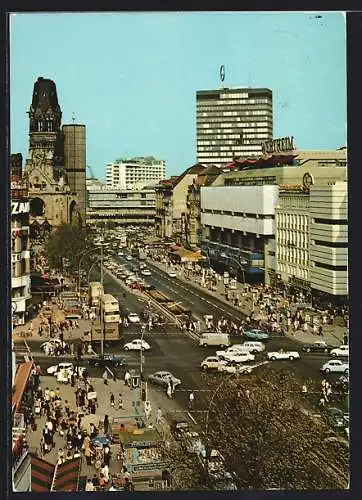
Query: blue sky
x=132 y=78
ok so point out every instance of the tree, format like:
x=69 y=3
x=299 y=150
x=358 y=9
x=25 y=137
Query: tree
x=268 y=439
x=68 y=243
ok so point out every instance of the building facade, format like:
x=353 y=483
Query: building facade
x=52 y=202
x=135 y=172
x=241 y=222
x=171 y=205
x=232 y=123
x=75 y=161
x=329 y=240
x=120 y=206
x=20 y=244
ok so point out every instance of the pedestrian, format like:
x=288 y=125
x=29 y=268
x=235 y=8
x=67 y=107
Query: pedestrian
x=158 y=416
x=148 y=410
x=320 y=331
x=106 y=424
x=304 y=390
x=60 y=454
x=105 y=377
x=111 y=399
x=191 y=400
x=106 y=454
x=127 y=378
x=169 y=391
x=89 y=485
x=120 y=402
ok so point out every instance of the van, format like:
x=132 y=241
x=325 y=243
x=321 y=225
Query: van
x=218 y=339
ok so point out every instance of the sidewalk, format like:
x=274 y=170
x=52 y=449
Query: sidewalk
x=332 y=334
x=103 y=391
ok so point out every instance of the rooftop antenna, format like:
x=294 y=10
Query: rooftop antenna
x=73 y=117
x=222 y=75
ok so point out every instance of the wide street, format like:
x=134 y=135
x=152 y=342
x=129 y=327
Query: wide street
x=176 y=351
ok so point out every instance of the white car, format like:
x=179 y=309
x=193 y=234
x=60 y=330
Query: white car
x=281 y=354
x=133 y=318
x=52 y=343
x=137 y=345
x=120 y=253
x=252 y=346
x=129 y=257
x=172 y=274
x=240 y=357
x=212 y=362
x=335 y=365
x=232 y=350
x=342 y=350
x=146 y=272
x=242 y=369
x=69 y=367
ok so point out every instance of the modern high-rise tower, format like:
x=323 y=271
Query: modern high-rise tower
x=232 y=123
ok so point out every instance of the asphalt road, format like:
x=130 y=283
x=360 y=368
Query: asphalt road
x=176 y=351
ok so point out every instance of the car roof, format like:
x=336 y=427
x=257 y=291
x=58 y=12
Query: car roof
x=162 y=373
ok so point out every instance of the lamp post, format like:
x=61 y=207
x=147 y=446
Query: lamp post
x=82 y=255
x=239 y=263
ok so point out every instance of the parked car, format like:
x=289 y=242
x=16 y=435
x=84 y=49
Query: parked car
x=172 y=274
x=129 y=257
x=341 y=351
x=335 y=366
x=178 y=428
x=163 y=378
x=108 y=359
x=133 y=318
x=317 y=346
x=137 y=345
x=336 y=418
x=146 y=272
x=211 y=362
x=281 y=354
x=256 y=334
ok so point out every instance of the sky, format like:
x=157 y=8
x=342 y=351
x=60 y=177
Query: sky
x=132 y=77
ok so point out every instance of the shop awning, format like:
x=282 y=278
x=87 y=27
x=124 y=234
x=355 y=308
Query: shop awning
x=42 y=473
x=21 y=379
x=66 y=475
x=187 y=255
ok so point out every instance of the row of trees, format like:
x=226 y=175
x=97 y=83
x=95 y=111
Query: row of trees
x=267 y=437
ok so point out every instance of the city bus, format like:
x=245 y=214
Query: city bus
x=95 y=292
x=110 y=309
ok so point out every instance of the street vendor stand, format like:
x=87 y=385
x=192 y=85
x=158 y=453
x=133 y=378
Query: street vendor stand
x=142 y=457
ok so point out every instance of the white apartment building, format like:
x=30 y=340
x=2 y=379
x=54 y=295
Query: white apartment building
x=329 y=239
x=128 y=173
x=232 y=123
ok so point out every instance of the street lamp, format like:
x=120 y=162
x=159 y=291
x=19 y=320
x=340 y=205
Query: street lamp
x=240 y=263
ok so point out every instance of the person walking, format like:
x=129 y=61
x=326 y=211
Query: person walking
x=191 y=400
x=106 y=424
x=105 y=377
x=120 y=402
x=158 y=416
x=169 y=391
x=111 y=400
x=127 y=378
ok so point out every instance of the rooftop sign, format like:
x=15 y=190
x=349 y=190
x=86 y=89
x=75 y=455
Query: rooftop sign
x=278 y=145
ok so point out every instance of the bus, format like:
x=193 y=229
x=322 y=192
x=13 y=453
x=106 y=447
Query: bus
x=110 y=309
x=95 y=292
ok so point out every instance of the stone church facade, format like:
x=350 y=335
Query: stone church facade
x=53 y=202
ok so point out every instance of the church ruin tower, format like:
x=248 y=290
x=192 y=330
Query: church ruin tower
x=52 y=201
